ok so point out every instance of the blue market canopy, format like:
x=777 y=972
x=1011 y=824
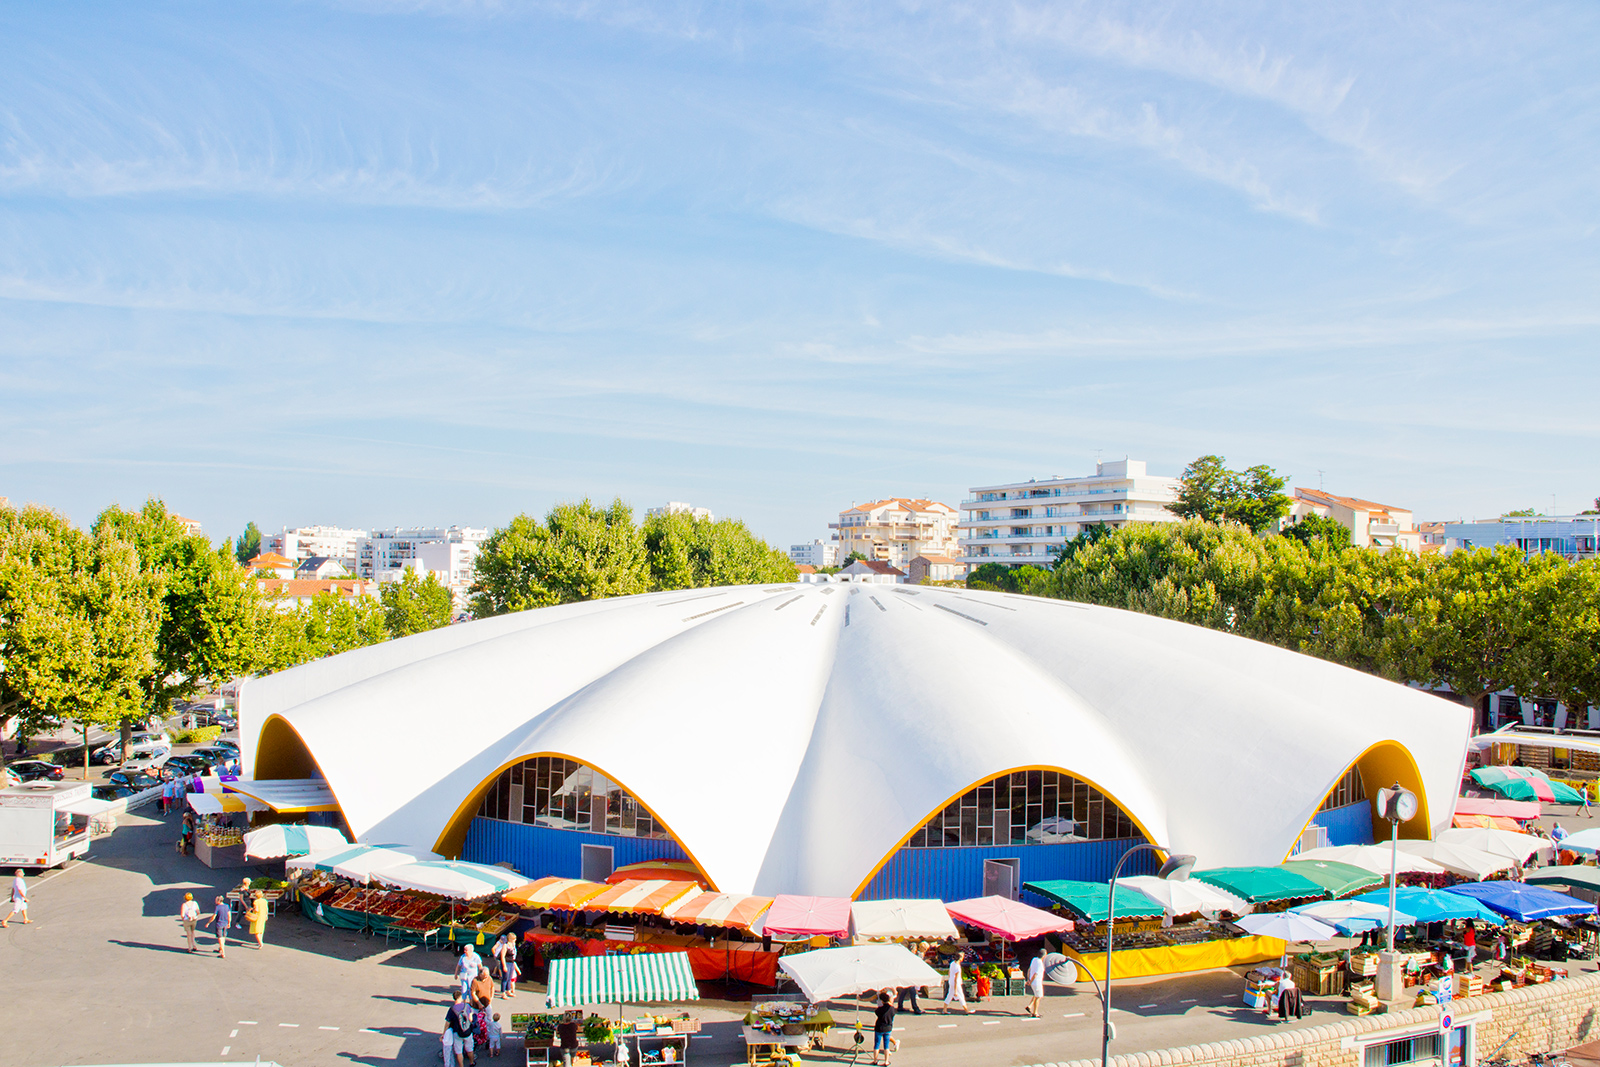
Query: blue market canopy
x=648 y=976
x=1092 y=900
x=1524 y=903
x=1434 y=905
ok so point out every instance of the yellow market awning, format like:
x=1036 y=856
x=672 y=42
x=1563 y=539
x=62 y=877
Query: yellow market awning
x=288 y=795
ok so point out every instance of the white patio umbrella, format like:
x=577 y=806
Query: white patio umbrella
x=1289 y=925
x=893 y=919
x=278 y=841
x=1507 y=843
x=1182 y=898
x=1459 y=859
x=357 y=862
x=1374 y=858
x=1352 y=916
x=826 y=973
x=451 y=878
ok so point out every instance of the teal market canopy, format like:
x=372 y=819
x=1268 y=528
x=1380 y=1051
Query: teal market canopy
x=1262 y=885
x=1525 y=783
x=648 y=976
x=1092 y=900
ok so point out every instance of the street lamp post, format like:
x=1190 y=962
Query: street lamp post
x=1177 y=868
x=1397 y=805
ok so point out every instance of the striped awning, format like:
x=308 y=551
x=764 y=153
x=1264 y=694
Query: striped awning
x=561 y=894
x=718 y=909
x=667 y=870
x=640 y=897
x=647 y=976
x=217 y=803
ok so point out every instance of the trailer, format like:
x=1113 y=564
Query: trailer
x=44 y=824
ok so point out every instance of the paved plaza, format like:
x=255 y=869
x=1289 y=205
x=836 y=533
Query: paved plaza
x=102 y=977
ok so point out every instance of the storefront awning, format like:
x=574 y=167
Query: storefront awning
x=1092 y=900
x=1262 y=885
x=560 y=894
x=734 y=910
x=288 y=795
x=640 y=897
x=650 y=976
x=218 y=803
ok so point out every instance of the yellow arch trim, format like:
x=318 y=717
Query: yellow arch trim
x=1148 y=836
x=282 y=753
x=454 y=833
x=1382 y=765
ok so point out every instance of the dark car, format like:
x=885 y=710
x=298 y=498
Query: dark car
x=225 y=744
x=138 y=781
x=110 y=792
x=33 y=770
x=189 y=764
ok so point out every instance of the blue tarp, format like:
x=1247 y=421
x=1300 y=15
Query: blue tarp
x=1434 y=905
x=1523 y=902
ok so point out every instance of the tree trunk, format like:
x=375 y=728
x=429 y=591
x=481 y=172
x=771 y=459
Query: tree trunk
x=85 y=727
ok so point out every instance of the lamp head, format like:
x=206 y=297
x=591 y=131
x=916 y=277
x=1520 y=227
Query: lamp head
x=1176 y=868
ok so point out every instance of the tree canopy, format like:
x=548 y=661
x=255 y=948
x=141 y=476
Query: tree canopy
x=248 y=544
x=412 y=605
x=1208 y=490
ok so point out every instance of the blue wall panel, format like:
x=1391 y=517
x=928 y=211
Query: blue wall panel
x=1349 y=825
x=957 y=873
x=540 y=851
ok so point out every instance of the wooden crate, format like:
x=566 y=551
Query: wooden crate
x=1317 y=979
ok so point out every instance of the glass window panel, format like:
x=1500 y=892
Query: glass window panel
x=1035 y=787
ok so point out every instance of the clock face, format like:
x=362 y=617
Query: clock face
x=1405 y=805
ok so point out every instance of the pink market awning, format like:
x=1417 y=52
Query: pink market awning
x=1009 y=919
x=1505 y=809
x=794 y=918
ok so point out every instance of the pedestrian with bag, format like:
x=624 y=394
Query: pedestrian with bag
x=222 y=915
x=257 y=916
x=189 y=915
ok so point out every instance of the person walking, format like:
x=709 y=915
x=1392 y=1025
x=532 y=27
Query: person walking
x=222 y=915
x=905 y=993
x=189 y=915
x=19 y=900
x=458 y=1033
x=481 y=989
x=467 y=965
x=955 y=994
x=257 y=916
x=186 y=835
x=883 y=1027
x=510 y=974
x=1035 y=981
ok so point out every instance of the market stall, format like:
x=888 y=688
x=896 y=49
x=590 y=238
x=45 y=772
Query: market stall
x=663 y=870
x=218 y=843
x=1142 y=945
x=642 y=978
x=1375 y=858
x=454 y=880
x=646 y=897
x=736 y=911
x=357 y=862
x=1009 y=920
x=774 y=1027
x=1525 y=783
x=1510 y=844
x=1339 y=879
x=1352 y=917
x=396 y=914
x=1263 y=887
x=1461 y=860
x=900 y=920
x=794 y=918
x=1186 y=896
x=283 y=840
x=1522 y=902
x=824 y=974
x=555 y=894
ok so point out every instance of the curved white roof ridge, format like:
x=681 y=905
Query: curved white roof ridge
x=790 y=736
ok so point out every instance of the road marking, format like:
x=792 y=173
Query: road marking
x=991 y=1022
x=366 y=1031
x=234 y=1034
x=327 y=1028
x=247 y=1022
x=1189 y=1001
x=1149 y=1005
x=1073 y=1015
x=947 y=1026
x=288 y=1024
x=413 y=1033
x=225 y=1049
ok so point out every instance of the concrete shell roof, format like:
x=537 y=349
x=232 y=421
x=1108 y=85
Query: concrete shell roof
x=791 y=736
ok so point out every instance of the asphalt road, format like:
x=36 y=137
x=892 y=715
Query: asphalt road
x=102 y=976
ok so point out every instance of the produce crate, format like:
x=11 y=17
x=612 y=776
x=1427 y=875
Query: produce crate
x=1364 y=964
x=1011 y=987
x=686 y=1026
x=1317 y=976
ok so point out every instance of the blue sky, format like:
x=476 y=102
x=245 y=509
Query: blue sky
x=373 y=264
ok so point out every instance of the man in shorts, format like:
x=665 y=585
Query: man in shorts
x=457 y=1037
x=19 y=900
x=223 y=917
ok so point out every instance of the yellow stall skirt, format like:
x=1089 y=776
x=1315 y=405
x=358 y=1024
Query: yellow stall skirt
x=1177 y=959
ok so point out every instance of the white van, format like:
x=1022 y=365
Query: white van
x=147 y=756
x=43 y=824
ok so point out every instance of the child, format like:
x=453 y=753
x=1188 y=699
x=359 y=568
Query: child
x=494 y=1035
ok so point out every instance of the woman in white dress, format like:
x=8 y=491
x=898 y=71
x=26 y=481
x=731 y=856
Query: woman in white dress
x=954 y=994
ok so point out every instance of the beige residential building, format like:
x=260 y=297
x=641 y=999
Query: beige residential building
x=897 y=530
x=935 y=569
x=1370 y=524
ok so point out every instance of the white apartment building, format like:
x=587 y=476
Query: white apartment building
x=678 y=507
x=301 y=543
x=1028 y=522
x=814 y=554
x=1574 y=536
x=1371 y=525
x=450 y=552
x=897 y=530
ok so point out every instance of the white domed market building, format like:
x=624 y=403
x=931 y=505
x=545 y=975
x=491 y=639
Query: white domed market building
x=855 y=740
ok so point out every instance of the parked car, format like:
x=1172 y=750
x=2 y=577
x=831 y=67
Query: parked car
x=215 y=757
x=226 y=745
x=189 y=764
x=33 y=770
x=138 y=781
x=110 y=792
x=144 y=747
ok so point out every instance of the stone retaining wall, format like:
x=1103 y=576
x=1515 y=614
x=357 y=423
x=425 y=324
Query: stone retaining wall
x=1553 y=1015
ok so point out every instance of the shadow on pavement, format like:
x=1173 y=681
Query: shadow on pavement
x=180 y=946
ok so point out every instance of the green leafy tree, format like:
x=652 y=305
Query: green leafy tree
x=325 y=626
x=852 y=557
x=211 y=613
x=412 y=605
x=1556 y=653
x=1467 y=623
x=1208 y=490
x=1319 y=528
x=79 y=620
x=687 y=552
x=248 y=544
x=1521 y=513
x=579 y=552
x=1026 y=579
x=1195 y=571
x=1085 y=537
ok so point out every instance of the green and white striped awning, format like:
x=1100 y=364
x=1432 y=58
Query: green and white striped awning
x=620 y=979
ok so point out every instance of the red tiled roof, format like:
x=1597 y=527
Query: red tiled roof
x=805 y=568
x=269 y=561
x=906 y=504
x=878 y=566
x=938 y=561
x=1317 y=496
